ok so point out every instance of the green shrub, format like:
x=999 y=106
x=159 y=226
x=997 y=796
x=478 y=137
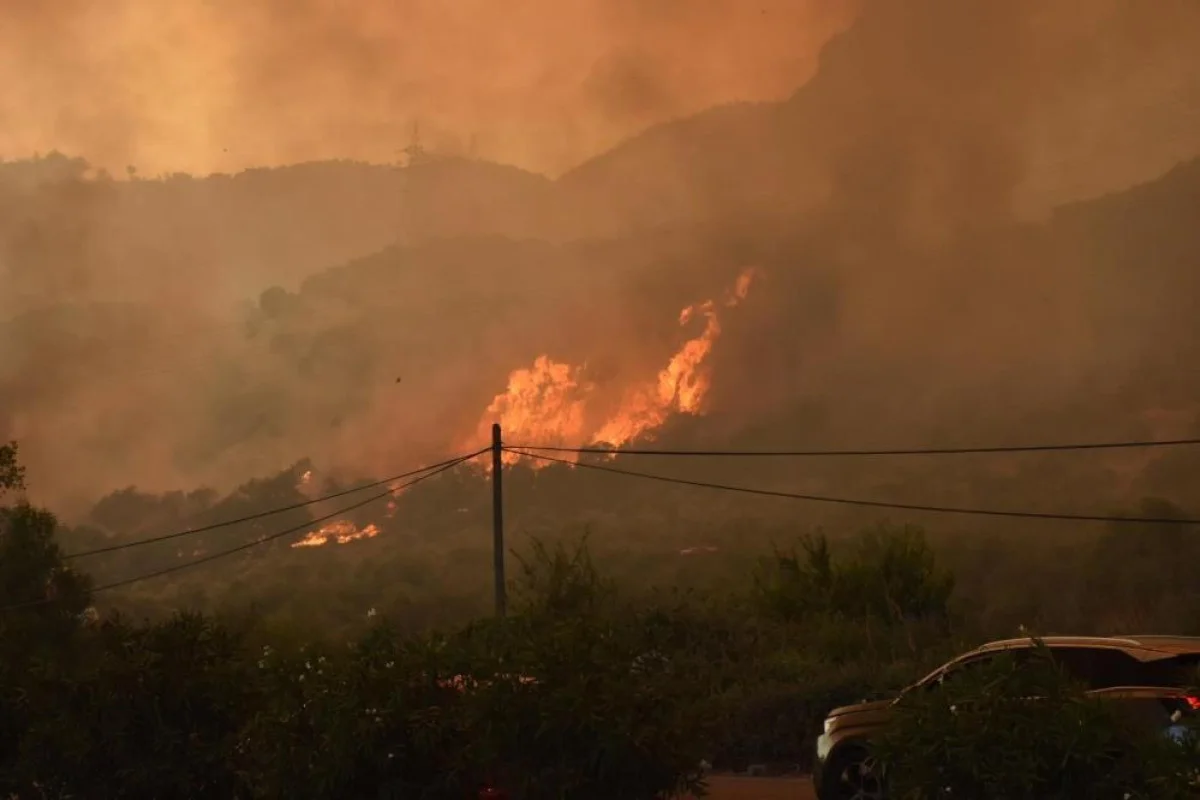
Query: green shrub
x=145 y=712
x=556 y=700
x=610 y=712
x=774 y=719
x=596 y=722
x=371 y=720
x=888 y=575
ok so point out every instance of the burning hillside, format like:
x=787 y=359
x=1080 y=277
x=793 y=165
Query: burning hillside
x=556 y=403
x=341 y=531
x=552 y=402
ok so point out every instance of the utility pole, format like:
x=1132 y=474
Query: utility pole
x=498 y=520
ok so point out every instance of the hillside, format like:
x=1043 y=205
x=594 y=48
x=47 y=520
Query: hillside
x=722 y=163
x=1029 y=333
x=1071 y=328
x=67 y=234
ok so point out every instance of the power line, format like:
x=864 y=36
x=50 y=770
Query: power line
x=263 y=540
x=815 y=498
x=927 y=451
x=268 y=513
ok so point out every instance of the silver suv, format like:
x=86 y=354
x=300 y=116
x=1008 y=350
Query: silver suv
x=1128 y=667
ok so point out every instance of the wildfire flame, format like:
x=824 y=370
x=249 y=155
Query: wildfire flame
x=549 y=401
x=341 y=531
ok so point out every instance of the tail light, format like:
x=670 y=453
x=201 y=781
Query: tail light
x=492 y=793
x=1193 y=702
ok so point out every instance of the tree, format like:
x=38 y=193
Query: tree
x=12 y=474
x=148 y=711
x=890 y=575
x=41 y=606
x=41 y=598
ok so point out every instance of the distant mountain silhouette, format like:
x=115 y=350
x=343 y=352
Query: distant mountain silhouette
x=216 y=238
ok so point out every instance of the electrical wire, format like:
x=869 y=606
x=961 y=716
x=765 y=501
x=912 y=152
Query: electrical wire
x=846 y=501
x=260 y=541
x=271 y=512
x=930 y=451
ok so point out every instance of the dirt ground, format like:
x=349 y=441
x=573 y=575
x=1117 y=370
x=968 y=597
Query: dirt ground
x=734 y=788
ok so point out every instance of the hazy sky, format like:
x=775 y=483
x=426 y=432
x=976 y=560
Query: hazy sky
x=218 y=85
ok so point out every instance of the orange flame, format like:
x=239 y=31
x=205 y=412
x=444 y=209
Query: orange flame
x=546 y=399
x=341 y=531
x=344 y=531
x=548 y=402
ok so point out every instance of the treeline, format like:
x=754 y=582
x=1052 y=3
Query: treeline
x=431 y=563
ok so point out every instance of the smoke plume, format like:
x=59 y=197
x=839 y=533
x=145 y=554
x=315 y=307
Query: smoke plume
x=204 y=86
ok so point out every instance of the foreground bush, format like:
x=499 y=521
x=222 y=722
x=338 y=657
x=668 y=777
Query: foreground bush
x=578 y=693
x=609 y=714
x=621 y=727
x=774 y=720
x=371 y=721
x=562 y=698
x=149 y=711
x=1019 y=730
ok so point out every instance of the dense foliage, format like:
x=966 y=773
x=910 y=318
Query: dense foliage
x=589 y=688
x=583 y=690
x=12 y=475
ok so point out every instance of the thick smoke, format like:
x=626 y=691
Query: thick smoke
x=940 y=126
x=203 y=85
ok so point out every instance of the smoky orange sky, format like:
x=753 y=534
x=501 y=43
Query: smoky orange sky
x=219 y=85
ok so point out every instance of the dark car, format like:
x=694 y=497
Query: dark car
x=1150 y=668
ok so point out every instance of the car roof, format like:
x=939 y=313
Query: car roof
x=1142 y=647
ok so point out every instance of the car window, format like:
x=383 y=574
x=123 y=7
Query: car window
x=1097 y=668
x=1106 y=667
x=957 y=671
x=1182 y=671
x=968 y=666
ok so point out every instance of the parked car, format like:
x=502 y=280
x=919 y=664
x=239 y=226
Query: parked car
x=1155 y=669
